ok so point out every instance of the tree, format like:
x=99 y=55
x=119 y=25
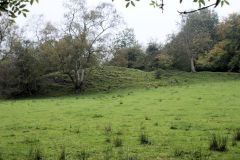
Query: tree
x=164 y=61
x=196 y=37
x=126 y=51
x=125 y=39
x=5 y=28
x=153 y=49
x=176 y=49
x=19 y=70
x=130 y=57
x=8 y=30
x=15 y=7
x=83 y=43
x=225 y=55
x=196 y=31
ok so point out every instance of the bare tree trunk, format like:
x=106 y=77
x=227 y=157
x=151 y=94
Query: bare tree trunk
x=79 y=80
x=192 y=64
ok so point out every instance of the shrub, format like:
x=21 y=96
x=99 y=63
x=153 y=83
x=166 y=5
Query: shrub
x=119 y=132
x=218 y=143
x=164 y=61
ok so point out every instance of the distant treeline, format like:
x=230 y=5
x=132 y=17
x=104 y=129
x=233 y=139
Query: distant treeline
x=202 y=44
x=85 y=41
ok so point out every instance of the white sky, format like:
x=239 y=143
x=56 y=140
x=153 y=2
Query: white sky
x=148 y=23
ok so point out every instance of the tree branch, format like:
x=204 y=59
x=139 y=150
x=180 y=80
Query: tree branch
x=187 y=12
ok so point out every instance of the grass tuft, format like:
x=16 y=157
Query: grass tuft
x=178 y=152
x=173 y=127
x=35 y=154
x=218 y=143
x=108 y=153
x=108 y=140
x=143 y=137
x=62 y=155
x=147 y=118
x=117 y=142
x=236 y=135
x=83 y=155
x=108 y=128
x=1 y=157
x=97 y=116
x=119 y=132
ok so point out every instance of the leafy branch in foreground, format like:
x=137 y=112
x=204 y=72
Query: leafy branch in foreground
x=15 y=7
x=160 y=4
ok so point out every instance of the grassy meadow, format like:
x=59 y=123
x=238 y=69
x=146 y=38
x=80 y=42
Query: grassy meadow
x=174 y=117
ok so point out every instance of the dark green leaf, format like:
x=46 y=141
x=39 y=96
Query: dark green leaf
x=217 y=2
x=127 y=5
x=132 y=3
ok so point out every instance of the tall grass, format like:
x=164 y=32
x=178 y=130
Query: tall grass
x=218 y=143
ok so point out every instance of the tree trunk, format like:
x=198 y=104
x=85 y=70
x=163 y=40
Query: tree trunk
x=192 y=65
x=79 y=80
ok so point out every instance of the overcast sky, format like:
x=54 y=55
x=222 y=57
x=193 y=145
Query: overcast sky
x=148 y=23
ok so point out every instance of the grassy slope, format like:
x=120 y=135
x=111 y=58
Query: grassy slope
x=196 y=105
x=110 y=78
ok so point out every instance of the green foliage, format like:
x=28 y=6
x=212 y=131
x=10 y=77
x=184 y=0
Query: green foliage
x=14 y=8
x=126 y=51
x=151 y=61
x=84 y=45
x=20 y=71
x=225 y=55
x=159 y=73
x=164 y=61
x=132 y=57
x=197 y=36
x=125 y=39
x=217 y=59
x=160 y=4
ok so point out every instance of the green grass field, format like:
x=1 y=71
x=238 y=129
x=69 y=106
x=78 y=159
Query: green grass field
x=175 y=121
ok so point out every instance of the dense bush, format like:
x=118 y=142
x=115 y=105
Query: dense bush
x=20 y=71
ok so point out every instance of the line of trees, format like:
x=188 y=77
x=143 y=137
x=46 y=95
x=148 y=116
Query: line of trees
x=202 y=44
x=86 y=41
